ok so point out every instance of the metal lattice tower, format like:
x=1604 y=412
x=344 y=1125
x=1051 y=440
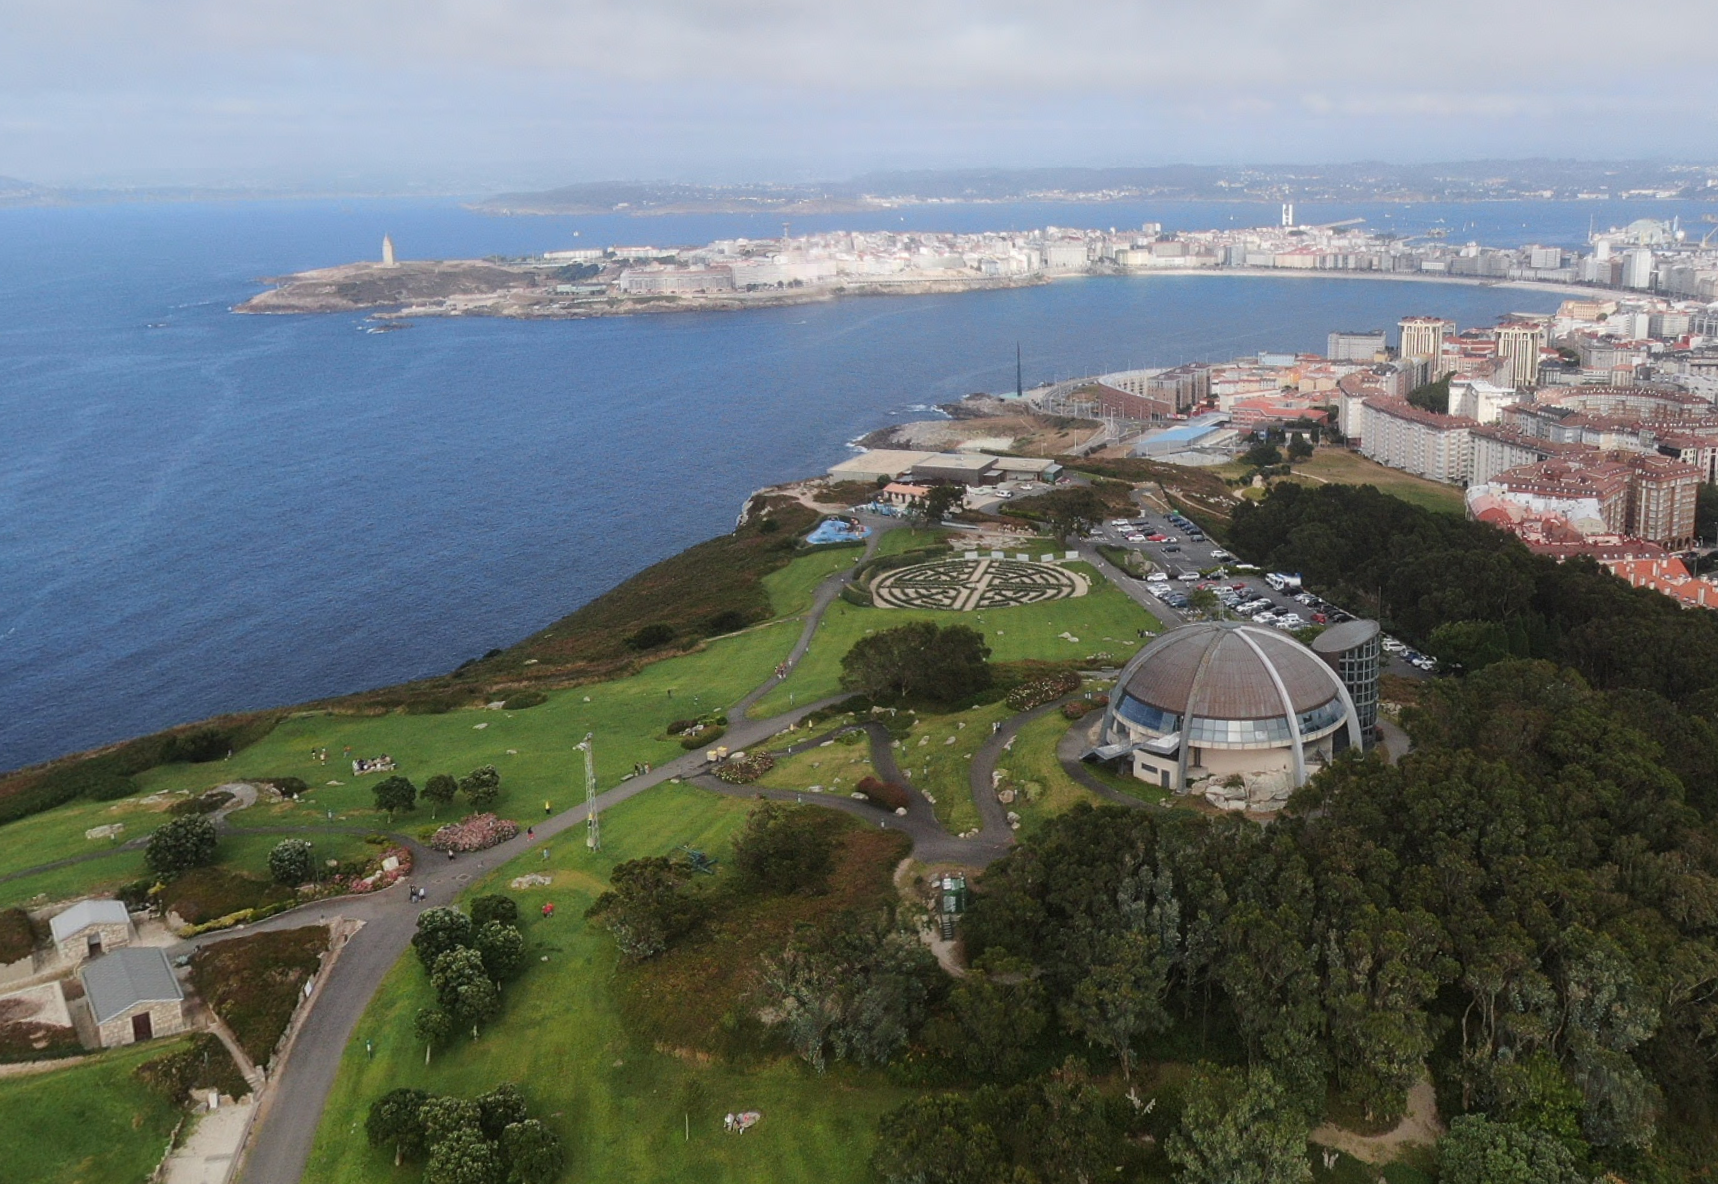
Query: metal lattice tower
x=593 y=824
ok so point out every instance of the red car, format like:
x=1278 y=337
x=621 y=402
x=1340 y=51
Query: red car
x=1320 y=619
x=1240 y=587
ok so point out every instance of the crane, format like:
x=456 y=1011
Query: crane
x=1707 y=237
x=593 y=824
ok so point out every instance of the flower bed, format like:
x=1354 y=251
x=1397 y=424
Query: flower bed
x=479 y=832
x=1043 y=689
x=742 y=769
x=1077 y=708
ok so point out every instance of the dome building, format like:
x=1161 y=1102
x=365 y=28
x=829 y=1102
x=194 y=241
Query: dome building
x=1244 y=710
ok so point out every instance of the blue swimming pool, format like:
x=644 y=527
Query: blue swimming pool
x=838 y=530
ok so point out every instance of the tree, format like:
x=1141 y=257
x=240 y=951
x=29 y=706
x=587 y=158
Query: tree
x=481 y=787
x=397 y=1117
x=494 y=907
x=943 y=500
x=500 y=1108
x=463 y=987
x=998 y=1012
x=934 y=1139
x=440 y=930
x=1299 y=448
x=1239 y=1129
x=439 y=790
x=1203 y=600
x=784 y=849
x=532 y=1152
x=502 y=948
x=1070 y=511
x=1433 y=396
x=395 y=793
x=918 y=661
x=464 y=1157
x=432 y=1025
x=645 y=907
x=292 y=862
x=1121 y=999
x=1479 y=1151
x=1263 y=455
x=181 y=845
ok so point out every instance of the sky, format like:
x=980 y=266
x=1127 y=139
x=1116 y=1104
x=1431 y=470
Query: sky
x=493 y=94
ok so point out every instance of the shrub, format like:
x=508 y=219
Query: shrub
x=180 y=845
x=745 y=769
x=783 y=849
x=520 y=700
x=703 y=738
x=287 y=787
x=435 y=704
x=1042 y=689
x=203 y=1064
x=476 y=833
x=1078 y=708
x=886 y=794
x=727 y=621
x=204 y=803
x=497 y=907
x=205 y=893
x=651 y=637
x=292 y=862
x=254 y=983
x=17 y=936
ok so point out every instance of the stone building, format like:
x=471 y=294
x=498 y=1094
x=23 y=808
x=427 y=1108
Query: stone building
x=133 y=996
x=91 y=927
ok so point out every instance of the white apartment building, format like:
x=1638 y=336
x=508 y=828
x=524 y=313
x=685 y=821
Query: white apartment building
x=1424 y=443
x=1519 y=343
x=1479 y=400
x=1423 y=337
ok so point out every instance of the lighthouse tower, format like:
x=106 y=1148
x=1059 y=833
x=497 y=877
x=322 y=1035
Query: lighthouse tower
x=387 y=251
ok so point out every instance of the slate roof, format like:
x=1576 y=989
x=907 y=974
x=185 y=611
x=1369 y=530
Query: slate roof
x=86 y=913
x=121 y=979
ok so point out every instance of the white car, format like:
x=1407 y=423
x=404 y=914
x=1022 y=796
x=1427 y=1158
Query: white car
x=1219 y=553
x=1157 y=577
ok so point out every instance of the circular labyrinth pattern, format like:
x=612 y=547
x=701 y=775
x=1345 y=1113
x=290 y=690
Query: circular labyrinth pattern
x=960 y=585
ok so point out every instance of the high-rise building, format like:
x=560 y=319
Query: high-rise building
x=1422 y=338
x=1288 y=213
x=1354 y=347
x=387 y=251
x=1519 y=343
x=1637 y=269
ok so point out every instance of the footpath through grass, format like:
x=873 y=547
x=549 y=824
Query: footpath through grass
x=1104 y=620
x=623 y=1106
x=94 y=1123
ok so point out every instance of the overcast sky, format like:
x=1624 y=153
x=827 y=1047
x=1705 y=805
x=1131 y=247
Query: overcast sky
x=498 y=93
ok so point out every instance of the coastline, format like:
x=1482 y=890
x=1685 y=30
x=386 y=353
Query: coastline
x=339 y=290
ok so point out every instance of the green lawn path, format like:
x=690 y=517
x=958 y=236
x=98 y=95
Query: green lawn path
x=622 y=1106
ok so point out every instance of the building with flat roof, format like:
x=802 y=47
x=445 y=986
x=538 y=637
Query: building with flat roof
x=1422 y=338
x=1343 y=346
x=1402 y=436
x=965 y=468
x=877 y=464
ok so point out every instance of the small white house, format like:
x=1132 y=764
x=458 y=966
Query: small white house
x=133 y=996
x=91 y=927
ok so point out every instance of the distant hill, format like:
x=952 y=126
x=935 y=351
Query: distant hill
x=1355 y=181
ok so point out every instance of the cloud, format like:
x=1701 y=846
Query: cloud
x=1104 y=79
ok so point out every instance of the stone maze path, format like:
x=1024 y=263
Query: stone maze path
x=962 y=585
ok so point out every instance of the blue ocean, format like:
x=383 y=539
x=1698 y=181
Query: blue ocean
x=203 y=512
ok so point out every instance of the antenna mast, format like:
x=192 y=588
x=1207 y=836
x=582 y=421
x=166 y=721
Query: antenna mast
x=1019 y=384
x=593 y=824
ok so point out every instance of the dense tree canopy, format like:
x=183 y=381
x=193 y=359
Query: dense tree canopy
x=180 y=845
x=918 y=661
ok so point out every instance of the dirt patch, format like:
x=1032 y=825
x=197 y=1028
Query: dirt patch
x=1419 y=1125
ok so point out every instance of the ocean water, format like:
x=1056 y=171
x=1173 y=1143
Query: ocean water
x=203 y=512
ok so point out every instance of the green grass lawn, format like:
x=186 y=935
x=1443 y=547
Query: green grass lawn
x=1031 y=768
x=944 y=770
x=791 y=589
x=622 y=1106
x=95 y=875
x=836 y=769
x=534 y=749
x=93 y=1123
x=59 y=833
x=1104 y=620
x=1338 y=466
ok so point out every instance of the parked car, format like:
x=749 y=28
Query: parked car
x=1157 y=577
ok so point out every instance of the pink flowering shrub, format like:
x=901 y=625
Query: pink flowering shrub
x=475 y=833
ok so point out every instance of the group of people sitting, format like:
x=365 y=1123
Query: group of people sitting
x=375 y=764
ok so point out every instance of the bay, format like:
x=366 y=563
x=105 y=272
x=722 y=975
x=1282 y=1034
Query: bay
x=202 y=512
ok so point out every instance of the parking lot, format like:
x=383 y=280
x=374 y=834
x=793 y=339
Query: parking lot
x=1179 y=551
